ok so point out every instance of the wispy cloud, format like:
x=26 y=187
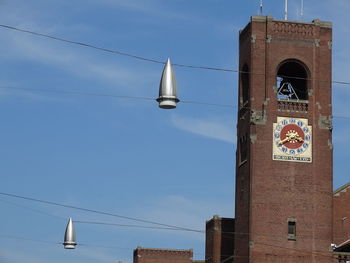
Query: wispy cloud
x=218 y=128
x=79 y=62
x=76 y=63
x=189 y=213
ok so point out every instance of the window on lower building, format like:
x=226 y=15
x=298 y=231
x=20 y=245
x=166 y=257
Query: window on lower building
x=292 y=229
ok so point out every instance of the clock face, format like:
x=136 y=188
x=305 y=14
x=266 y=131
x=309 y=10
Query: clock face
x=292 y=140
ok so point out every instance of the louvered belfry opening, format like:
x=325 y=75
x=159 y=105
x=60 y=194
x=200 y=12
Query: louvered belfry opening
x=292 y=81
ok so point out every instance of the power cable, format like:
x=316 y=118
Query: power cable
x=96 y=211
x=228 y=234
x=307 y=252
x=78 y=93
x=96 y=222
x=81 y=44
x=29 y=239
x=135 y=226
x=112 y=96
x=58 y=243
x=132 y=97
x=31 y=209
x=109 y=50
x=101 y=223
x=117 y=52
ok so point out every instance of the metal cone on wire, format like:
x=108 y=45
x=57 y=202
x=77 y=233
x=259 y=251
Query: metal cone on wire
x=167 y=88
x=69 y=236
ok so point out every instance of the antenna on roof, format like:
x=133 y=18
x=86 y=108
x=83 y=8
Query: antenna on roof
x=302 y=10
x=285 y=9
x=261 y=7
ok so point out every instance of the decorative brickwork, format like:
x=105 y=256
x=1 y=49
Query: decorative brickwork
x=286 y=28
x=292 y=106
x=156 y=255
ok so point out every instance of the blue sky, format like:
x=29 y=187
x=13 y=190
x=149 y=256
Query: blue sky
x=126 y=156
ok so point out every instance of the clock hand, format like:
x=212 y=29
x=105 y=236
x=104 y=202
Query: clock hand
x=300 y=139
x=284 y=140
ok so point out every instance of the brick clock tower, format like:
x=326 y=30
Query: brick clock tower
x=284 y=142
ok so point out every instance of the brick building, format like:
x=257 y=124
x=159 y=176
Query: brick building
x=284 y=142
x=156 y=255
x=285 y=208
x=219 y=240
x=341 y=214
x=341 y=223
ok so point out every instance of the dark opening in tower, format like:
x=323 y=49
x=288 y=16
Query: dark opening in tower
x=292 y=80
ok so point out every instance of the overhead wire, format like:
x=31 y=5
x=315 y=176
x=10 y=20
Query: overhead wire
x=29 y=239
x=131 y=97
x=81 y=44
x=95 y=222
x=83 y=93
x=31 y=209
x=95 y=211
x=135 y=226
x=313 y=252
x=58 y=243
x=227 y=234
x=170 y=227
x=307 y=252
x=128 y=97
x=95 y=94
x=109 y=50
x=139 y=58
x=117 y=52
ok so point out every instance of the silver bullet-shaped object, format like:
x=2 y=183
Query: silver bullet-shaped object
x=167 y=88
x=69 y=236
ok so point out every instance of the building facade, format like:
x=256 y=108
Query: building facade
x=284 y=162
x=285 y=207
x=219 y=240
x=341 y=214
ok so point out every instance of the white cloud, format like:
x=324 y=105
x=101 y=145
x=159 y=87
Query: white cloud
x=183 y=212
x=81 y=65
x=215 y=127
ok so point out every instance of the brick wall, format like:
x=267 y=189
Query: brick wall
x=341 y=214
x=270 y=192
x=154 y=255
x=219 y=240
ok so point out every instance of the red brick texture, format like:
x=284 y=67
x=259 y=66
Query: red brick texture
x=219 y=240
x=341 y=214
x=154 y=255
x=270 y=192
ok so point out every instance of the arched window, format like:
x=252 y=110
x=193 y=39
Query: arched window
x=292 y=81
x=245 y=85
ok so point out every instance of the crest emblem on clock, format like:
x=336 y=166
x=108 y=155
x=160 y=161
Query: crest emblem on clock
x=292 y=140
